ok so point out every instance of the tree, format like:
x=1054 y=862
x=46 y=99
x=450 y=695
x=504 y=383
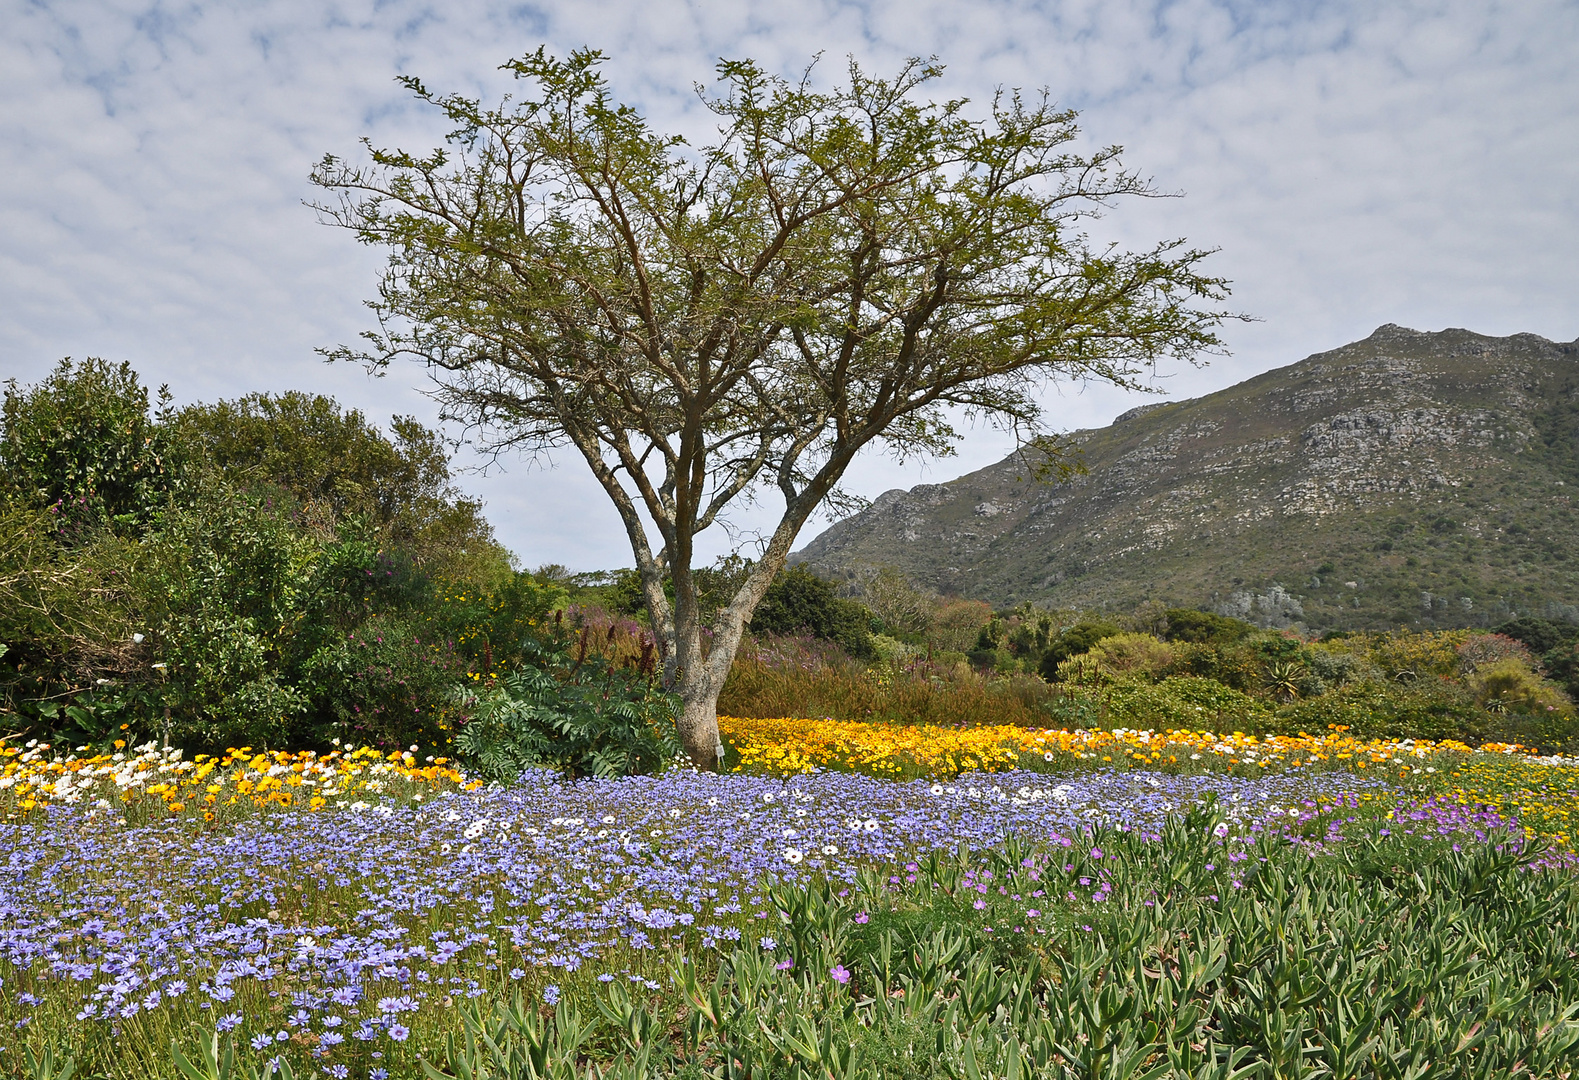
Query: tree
x=836 y=270
x=903 y=608
x=335 y=464
x=82 y=442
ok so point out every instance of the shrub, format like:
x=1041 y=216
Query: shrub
x=1541 y=635
x=1508 y=685
x=1483 y=649
x=903 y=609
x=225 y=585
x=384 y=684
x=1406 y=656
x=1184 y=702
x=1204 y=627
x=778 y=677
x=331 y=464
x=1334 y=665
x=798 y=600
x=1132 y=655
x=580 y=715
x=1072 y=642
x=1236 y=665
x=1562 y=664
x=82 y=441
x=1428 y=709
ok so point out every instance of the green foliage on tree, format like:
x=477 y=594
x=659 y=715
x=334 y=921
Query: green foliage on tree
x=82 y=443
x=702 y=324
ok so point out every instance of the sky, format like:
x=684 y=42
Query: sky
x=1355 y=164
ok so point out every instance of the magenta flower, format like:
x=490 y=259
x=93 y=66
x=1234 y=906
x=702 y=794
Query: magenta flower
x=840 y=973
x=1096 y=853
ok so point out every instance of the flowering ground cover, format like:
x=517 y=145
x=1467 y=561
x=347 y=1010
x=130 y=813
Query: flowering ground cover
x=790 y=746
x=350 y=924
x=152 y=781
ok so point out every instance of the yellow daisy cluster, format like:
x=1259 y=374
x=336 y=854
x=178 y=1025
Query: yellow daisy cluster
x=149 y=778
x=788 y=746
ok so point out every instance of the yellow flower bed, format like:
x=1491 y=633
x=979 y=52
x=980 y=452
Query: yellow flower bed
x=147 y=777
x=796 y=745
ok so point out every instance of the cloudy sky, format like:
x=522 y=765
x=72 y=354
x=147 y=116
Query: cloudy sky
x=1356 y=163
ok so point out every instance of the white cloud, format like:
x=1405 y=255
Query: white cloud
x=1356 y=163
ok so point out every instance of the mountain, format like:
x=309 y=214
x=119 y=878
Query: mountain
x=1420 y=479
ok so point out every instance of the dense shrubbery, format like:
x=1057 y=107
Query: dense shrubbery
x=277 y=570
x=1173 y=668
x=273 y=571
x=800 y=602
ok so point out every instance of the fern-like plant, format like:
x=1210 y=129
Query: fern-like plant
x=578 y=714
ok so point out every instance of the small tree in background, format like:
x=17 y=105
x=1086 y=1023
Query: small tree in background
x=836 y=270
x=799 y=601
x=82 y=442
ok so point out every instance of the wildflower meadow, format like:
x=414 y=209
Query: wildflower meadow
x=1068 y=904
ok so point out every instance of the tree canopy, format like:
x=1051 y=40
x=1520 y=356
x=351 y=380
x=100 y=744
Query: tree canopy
x=839 y=268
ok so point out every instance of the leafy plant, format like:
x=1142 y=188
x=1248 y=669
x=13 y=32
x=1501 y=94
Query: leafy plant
x=578 y=714
x=82 y=441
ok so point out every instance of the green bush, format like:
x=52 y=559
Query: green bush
x=225 y=585
x=1184 y=702
x=385 y=684
x=800 y=602
x=573 y=712
x=1562 y=664
x=1204 y=627
x=256 y=572
x=1426 y=709
x=82 y=442
x=330 y=465
x=1078 y=639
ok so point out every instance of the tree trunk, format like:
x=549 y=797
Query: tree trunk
x=699 y=722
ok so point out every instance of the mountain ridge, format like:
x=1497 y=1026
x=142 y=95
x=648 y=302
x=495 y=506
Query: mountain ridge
x=1415 y=478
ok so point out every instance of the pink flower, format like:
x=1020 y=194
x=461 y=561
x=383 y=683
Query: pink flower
x=840 y=973
x=1096 y=853
x=862 y=917
x=979 y=904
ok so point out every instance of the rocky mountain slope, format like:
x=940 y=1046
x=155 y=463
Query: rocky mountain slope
x=1421 y=479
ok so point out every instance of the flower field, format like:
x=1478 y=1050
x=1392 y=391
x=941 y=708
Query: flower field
x=346 y=913
x=149 y=780
x=790 y=746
